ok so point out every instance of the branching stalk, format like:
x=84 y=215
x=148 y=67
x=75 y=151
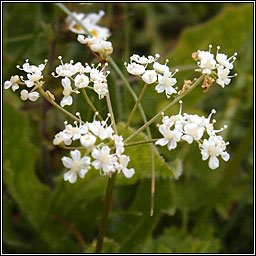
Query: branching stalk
x=44 y=94
x=93 y=108
x=135 y=108
x=198 y=81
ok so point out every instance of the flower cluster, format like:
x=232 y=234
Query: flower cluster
x=100 y=46
x=101 y=149
x=191 y=128
x=90 y=23
x=207 y=64
x=34 y=79
x=160 y=73
x=81 y=76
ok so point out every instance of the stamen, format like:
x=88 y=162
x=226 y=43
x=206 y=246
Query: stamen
x=95 y=115
x=180 y=101
x=218 y=47
x=176 y=70
x=60 y=58
x=212 y=112
x=80 y=121
x=210 y=47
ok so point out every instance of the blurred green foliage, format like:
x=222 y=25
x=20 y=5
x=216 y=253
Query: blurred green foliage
x=204 y=211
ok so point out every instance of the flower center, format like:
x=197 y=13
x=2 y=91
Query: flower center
x=104 y=158
x=94 y=33
x=212 y=150
x=76 y=166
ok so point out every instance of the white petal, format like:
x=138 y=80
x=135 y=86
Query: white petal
x=83 y=172
x=162 y=142
x=7 y=84
x=96 y=164
x=24 y=94
x=67 y=175
x=213 y=162
x=172 y=144
x=33 y=96
x=66 y=100
x=205 y=155
x=65 y=82
x=72 y=177
x=187 y=138
x=81 y=39
x=85 y=160
x=67 y=162
x=15 y=87
x=160 y=88
x=76 y=154
x=29 y=83
x=96 y=153
x=225 y=156
x=128 y=173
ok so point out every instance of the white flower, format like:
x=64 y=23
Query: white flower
x=100 y=46
x=67 y=69
x=67 y=99
x=33 y=96
x=165 y=83
x=76 y=131
x=223 y=77
x=192 y=132
x=149 y=77
x=62 y=137
x=89 y=22
x=160 y=68
x=13 y=82
x=34 y=72
x=101 y=89
x=81 y=81
x=88 y=140
x=206 y=61
x=123 y=162
x=224 y=60
x=212 y=148
x=119 y=144
x=135 y=69
x=171 y=137
x=143 y=60
x=104 y=160
x=77 y=165
x=98 y=128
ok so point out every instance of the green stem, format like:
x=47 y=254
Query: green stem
x=42 y=92
x=71 y=148
x=198 y=81
x=107 y=204
x=152 y=180
x=93 y=108
x=135 y=107
x=140 y=142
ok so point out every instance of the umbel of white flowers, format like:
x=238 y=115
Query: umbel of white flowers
x=189 y=128
x=208 y=65
x=160 y=73
x=94 y=138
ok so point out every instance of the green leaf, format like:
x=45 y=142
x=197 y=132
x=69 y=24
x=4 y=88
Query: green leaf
x=19 y=168
x=11 y=234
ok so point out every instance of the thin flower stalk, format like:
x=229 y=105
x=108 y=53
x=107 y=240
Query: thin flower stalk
x=197 y=82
